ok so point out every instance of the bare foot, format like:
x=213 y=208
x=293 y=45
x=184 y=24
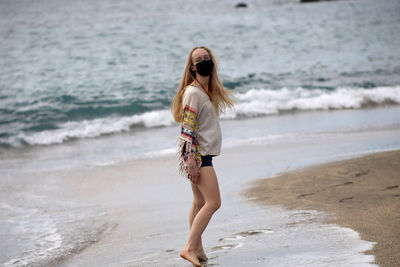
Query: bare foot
x=190 y=256
x=201 y=255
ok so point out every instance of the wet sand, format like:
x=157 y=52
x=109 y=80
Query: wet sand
x=361 y=193
x=146 y=203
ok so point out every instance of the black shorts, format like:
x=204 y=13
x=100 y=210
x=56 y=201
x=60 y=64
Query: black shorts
x=206 y=161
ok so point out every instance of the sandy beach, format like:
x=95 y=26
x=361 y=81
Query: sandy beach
x=361 y=193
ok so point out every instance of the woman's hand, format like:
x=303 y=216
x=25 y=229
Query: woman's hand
x=193 y=170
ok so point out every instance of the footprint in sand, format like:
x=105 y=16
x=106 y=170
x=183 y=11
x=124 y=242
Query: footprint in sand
x=346 y=198
x=305 y=195
x=391 y=187
x=358 y=174
x=238 y=236
x=227 y=246
x=244 y=234
x=255 y=232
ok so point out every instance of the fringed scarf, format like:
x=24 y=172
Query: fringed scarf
x=188 y=141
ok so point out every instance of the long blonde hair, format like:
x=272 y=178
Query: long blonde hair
x=220 y=97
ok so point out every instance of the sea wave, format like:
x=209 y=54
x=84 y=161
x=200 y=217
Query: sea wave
x=253 y=103
x=91 y=128
x=258 y=102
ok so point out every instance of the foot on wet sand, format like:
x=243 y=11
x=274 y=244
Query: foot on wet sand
x=190 y=256
x=201 y=255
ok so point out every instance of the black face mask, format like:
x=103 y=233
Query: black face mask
x=205 y=67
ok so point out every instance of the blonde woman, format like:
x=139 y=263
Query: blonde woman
x=197 y=105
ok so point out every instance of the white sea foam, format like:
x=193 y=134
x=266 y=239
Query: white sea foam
x=49 y=231
x=255 y=102
x=96 y=127
x=41 y=234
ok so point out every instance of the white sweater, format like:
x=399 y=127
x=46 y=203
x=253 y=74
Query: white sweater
x=208 y=128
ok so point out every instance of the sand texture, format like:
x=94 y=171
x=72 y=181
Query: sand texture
x=361 y=193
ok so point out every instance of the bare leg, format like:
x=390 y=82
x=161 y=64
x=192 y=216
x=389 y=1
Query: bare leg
x=198 y=203
x=208 y=186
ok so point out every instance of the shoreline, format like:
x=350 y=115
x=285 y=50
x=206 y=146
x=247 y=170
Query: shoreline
x=145 y=199
x=360 y=193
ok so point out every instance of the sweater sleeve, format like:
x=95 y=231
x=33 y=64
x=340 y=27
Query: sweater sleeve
x=188 y=140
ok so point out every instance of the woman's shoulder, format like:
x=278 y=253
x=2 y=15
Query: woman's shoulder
x=192 y=91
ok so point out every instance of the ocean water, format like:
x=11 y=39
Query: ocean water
x=89 y=83
x=91 y=68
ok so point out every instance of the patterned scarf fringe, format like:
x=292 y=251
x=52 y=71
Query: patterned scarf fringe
x=185 y=148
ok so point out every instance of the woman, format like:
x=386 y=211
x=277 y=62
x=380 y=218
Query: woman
x=197 y=105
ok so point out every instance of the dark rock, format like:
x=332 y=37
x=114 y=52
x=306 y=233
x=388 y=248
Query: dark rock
x=311 y=1
x=241 y=5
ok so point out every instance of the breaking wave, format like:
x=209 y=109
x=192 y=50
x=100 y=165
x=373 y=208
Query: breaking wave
x=253 y=103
